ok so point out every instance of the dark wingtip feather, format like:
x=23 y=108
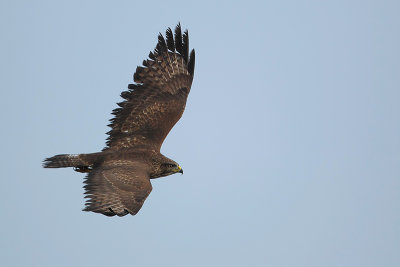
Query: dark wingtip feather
x=116 y=111
x=137 y=76
x=161 y=45
x=191 y=62
x=132 y=86
x=178 y=38
x=185 y=45
x=126 y=94
x=170 y=40
x=151 y=56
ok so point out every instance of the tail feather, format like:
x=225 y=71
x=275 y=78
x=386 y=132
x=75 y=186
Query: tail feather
x=61 y=161
x=79 y=162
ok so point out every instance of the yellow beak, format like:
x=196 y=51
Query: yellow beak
x=180 y=170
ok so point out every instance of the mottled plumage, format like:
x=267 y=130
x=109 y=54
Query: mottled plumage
x=118 y=179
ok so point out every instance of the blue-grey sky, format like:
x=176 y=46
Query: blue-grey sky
x=290 y=140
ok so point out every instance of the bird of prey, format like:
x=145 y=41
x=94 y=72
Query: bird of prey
x=118 y=177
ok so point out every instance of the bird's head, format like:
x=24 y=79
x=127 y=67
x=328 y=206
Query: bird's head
x=163 y=166
x=168 y=168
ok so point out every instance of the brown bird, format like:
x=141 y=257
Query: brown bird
x=118 y=179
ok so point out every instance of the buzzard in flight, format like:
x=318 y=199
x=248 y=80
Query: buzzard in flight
x=118 y=179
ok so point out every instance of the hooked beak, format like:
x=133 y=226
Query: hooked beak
x=180 y=170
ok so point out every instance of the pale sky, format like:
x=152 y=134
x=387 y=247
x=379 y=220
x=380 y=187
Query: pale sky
x=289 y=142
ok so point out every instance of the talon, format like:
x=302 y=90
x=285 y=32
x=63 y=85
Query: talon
x=82 y=169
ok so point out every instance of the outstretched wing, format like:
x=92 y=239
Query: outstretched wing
x=117 y=188
x=157 y=100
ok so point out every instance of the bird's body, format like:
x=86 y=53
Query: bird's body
x=118 y=179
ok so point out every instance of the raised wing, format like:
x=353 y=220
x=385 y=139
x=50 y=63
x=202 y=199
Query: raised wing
x=157 y=100
x=117 y=188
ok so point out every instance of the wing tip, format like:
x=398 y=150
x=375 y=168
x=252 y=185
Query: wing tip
x=191 y=63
